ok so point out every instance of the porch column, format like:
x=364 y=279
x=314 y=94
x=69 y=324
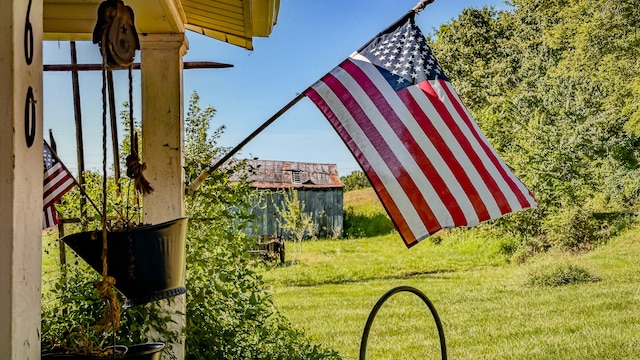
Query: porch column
x=21 y=172
x=162 y=138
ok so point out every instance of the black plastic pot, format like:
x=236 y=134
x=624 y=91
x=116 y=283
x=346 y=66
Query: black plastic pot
x=148 y=351
x=148 y=262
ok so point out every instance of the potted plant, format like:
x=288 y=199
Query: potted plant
x=70 y=330
x=147 y=261
x=144 y=262
x=71 y=327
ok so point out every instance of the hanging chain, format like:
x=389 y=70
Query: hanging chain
x=111 y=316
x=134 y=166
x=131 y=126
x=104 y=142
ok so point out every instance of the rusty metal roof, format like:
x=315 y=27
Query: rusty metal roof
x=274 y=174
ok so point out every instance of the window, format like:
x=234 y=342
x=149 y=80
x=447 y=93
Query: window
x=295 y=177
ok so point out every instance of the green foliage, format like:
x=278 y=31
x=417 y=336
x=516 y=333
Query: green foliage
x=354 y=181
x=123 y=207
x=70 y=309
x=125 y=143
x=364 y=215
x=230 y=315
x=561 y=275
x=573 y=229
x=553 y=86
x=359 y=223
x=292 y=219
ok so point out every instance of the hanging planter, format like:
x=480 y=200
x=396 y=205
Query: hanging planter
x=148 y=263
x=145 y=263
x=148 y=351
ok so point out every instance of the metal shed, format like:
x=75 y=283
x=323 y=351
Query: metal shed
x=319 y=189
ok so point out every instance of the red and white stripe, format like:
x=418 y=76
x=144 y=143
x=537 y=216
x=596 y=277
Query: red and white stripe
x=57 y=181
x=50 y=217
x=426 y=158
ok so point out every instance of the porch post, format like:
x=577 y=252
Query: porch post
x=162 y=138
x=21 y=172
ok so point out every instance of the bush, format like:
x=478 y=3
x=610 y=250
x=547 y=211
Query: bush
x=364 y=215
x=569 y=228
x=230 y=315
x=561 y=275
x=292 y=220
x=573 y=229
x=71 y=308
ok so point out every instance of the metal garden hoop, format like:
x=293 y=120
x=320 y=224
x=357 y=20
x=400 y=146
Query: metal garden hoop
x=385 y=297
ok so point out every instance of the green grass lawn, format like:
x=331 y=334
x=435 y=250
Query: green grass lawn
x=487 y=306
x=485 y=303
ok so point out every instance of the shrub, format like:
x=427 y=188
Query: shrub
x=71 y=308
x=573 y=229
x=292 y=219
x=561 y=275
x=364 y=215
x=230 y=315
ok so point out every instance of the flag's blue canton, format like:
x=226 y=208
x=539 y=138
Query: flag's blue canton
x=48 y=159
x=403 y=57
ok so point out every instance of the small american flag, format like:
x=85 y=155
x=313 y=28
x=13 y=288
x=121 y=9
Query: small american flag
x=57 y=182
x=428 y=161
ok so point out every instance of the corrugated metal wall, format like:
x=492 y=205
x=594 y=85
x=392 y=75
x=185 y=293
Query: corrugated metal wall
x=324 y=205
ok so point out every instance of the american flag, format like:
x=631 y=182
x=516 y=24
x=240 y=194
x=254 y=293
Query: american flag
x=428 y=161
x=57 y=182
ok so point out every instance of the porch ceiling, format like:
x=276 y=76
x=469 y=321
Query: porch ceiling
x=232 y=21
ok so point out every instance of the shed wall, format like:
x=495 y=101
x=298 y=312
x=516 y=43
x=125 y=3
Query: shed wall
x=324 y=205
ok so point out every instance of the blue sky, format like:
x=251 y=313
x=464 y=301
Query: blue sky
x=309 y=39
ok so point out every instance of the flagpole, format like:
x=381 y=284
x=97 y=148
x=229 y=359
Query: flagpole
x=211 y=168
x=191 y=189
x=421 y=5
x=416 y=9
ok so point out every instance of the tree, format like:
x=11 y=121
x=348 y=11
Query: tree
x=552 y=84
x=230 y=315
x=356 y=180
x=292 y=218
